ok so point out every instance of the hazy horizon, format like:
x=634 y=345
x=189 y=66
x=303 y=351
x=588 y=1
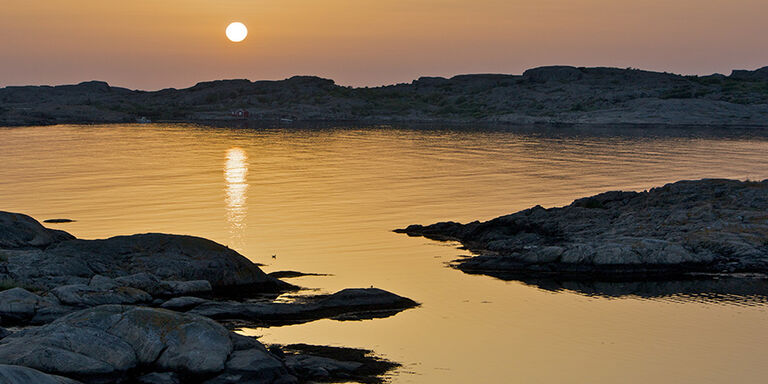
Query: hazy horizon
x=176 y=44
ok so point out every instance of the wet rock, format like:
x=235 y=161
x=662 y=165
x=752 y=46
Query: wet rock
x=13 y=374
x=4 y=332
x=705 y=226
x=22 y=231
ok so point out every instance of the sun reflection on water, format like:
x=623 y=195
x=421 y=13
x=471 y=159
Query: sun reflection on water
x=236 y=176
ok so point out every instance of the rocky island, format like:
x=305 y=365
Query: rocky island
x=688 y=230
x=558 y=94
x=155 y=308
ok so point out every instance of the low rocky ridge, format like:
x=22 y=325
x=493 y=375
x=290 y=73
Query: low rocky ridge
x=683 y=229
x=555 y=94
x=141 y=309
x=347 y=304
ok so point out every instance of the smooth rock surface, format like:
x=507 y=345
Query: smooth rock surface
x=110 y=340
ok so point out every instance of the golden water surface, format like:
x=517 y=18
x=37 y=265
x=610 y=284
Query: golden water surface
x=326 y=200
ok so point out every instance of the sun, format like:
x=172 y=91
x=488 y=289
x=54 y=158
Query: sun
x=236 y=32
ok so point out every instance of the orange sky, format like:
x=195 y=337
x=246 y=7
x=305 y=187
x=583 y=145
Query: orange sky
x=152 y=44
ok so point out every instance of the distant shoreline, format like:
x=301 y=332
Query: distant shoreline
x=547 y=95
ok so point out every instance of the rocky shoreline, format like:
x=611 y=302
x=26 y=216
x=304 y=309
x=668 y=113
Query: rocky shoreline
x=688 y=230
x=154 y=308
x=549 y=95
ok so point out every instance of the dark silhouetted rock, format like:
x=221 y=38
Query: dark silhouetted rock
x=554 y=73
x=21 y=231
x=348 y=304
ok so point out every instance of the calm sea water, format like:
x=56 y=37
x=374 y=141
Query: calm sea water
x=326 y=200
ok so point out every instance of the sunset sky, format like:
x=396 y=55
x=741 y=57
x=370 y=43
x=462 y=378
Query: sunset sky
x=175 y=43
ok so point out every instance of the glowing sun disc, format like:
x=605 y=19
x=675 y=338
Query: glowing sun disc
x=236 y=32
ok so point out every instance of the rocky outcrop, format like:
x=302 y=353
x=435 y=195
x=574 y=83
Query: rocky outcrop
x=160 y=264
x=113 y=343
x=756 y=75
x=705 y=226
x=169 y=257
x=346 y=304
x=94 y=303
x=22 y=231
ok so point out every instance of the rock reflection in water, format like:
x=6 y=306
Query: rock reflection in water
x=738 y=290
x=236 y=176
